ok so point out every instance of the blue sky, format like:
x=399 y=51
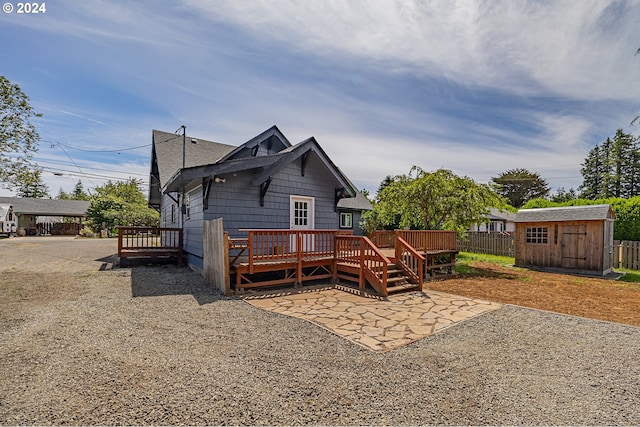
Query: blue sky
x=478 y=87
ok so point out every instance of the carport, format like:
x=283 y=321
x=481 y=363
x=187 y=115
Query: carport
x=47 y=216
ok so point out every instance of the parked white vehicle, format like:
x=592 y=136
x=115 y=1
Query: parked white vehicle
x=8 y=224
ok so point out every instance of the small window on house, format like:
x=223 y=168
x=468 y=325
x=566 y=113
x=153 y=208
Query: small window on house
x=346 y=220
x=187 y=207
x=173 y=213
x=537 y=235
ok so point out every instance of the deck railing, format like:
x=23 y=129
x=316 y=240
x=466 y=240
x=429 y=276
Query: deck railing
x=383 y=238
x=373 y=264
x=410 y=261
x=429 y=240
x=286 y=245
x=149 y=242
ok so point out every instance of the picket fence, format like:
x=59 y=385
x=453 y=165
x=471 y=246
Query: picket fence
x=626 y=253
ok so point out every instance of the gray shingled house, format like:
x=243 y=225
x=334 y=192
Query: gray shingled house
x=575 y=239
x=265 y=183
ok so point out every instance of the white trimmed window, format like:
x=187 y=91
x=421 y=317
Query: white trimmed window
x=346 y=220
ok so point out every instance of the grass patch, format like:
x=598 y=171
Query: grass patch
x=466 y=258
x=464 y=262
x=631 y=276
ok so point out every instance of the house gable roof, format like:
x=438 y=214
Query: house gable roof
x=47 y=207
x=270 y=165
x=271 y=141
x=569 y=213
x=501 y=215
x=166 y=157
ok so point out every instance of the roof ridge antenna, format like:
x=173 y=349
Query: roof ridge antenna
x=184 y=143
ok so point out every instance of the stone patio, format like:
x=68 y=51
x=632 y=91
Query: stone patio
x=378 y=324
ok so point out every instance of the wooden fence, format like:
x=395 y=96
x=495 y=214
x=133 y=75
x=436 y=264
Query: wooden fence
x=626 y=254
x=58 y=228
x=422 y=240
x=487 y=243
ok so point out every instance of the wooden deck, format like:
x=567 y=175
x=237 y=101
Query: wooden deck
x=149 y=243
x=277 y=257
x=401 y=260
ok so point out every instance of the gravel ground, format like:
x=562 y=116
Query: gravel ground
x=155 y=345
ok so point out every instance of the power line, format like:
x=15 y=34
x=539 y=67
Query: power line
x=95 y=151
x=58 y=171
x=85 y=167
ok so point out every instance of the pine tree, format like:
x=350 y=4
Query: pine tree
x=32 y=186
x=612 y=169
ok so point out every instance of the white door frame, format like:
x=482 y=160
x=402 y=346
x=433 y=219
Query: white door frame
x=304 y=223
x=305 y=215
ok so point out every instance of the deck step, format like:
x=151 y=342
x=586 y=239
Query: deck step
x=403 y=287
x=396 y=279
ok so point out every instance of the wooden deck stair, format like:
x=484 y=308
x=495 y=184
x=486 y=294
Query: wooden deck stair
x=398 y=281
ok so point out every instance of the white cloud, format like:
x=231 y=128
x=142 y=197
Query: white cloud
x=528 y=46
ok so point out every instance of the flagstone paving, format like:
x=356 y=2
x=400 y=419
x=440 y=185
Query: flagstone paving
x=379 y=324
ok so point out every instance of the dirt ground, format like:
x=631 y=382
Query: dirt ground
x=594 y=298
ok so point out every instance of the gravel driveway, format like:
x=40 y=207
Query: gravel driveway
x=84 y=343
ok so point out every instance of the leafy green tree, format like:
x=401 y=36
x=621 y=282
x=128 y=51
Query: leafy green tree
x=388 y=180
x=519 y=186
x=18 y=137
x=31 y=185
x=561 y=195
x=437 y=200
x=120 y=203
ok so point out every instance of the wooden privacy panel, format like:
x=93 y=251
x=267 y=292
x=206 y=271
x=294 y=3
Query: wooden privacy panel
x=216 y=256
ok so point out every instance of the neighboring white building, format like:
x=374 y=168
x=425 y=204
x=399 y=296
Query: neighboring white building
x=499 y=221
x=8 y=221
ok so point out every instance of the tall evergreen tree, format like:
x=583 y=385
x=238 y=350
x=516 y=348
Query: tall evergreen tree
x=32 y=186
x=612 y=169
x=78 y=193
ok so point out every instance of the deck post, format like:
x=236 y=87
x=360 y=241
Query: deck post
x=334 y=264
x=361 y=275
x=250 y=245
x=299 y=251
x=227 y=274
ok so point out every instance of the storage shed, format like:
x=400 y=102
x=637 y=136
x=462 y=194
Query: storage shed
x=576 y=239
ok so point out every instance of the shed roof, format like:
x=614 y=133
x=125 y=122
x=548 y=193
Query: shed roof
x=47 y=207
x=568 y=213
